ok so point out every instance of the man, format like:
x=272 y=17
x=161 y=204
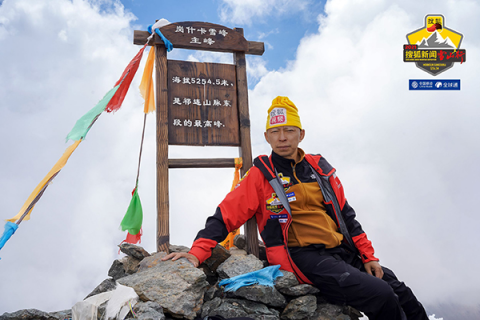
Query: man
x=307 y=225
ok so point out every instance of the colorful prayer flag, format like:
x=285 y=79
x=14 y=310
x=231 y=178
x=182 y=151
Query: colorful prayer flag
x=132 y=221
x=124 y=82
x=38 y=191
x=146 y=85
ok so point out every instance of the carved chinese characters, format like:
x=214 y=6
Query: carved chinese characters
x=202 y=104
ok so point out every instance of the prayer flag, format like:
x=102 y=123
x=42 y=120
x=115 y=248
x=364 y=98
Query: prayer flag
x=132 y=221
x=38 y=191
x=146 y=85
x=83 y=125
x=125 y=81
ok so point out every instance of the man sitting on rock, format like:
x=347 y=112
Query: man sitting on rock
x=307 y=225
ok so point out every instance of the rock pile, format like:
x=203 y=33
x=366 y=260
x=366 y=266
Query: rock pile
x=176 y=289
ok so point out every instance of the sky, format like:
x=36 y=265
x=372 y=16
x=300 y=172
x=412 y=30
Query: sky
x=408 y=160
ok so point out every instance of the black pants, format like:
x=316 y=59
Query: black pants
x=342 y=279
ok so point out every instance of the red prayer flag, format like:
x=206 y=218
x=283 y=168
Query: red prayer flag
x=125 y=81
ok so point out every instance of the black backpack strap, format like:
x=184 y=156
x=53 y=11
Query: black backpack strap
x=263 y=163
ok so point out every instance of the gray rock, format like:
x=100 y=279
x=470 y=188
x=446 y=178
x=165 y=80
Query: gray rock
x=288 y=280
x=213 y=292
x=176 y=285
x=106 y=285
x=151 y=261
x=259 y=293
x=219 y=255
x=234 y=308
x=329 y=311
x=237 y=265
x=240 y=241
x=133 y=251
x=116 y=270
x=130 y=264
x=174 y=248
x=148 y=311
x=237 y=252
x=29 y=314
x=64 y=314
x=300 y=308
x=300 y=290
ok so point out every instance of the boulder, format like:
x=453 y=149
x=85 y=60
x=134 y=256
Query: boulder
x=288 y=280
x=34 y=314
x=259 y=293
x=106 y=285
x=176 y=285
x=300 y=308
x=300 y=290
x=151 y=261
x=237 y=265
x=148 y=311
x=234 y=308
x=133 y=251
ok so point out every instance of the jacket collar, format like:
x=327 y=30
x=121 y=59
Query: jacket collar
x=284 y=161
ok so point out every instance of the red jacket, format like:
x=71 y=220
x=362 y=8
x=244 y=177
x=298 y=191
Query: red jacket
x=250 y=199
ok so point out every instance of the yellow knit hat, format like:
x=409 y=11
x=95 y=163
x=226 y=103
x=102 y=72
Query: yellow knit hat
x=283 y=113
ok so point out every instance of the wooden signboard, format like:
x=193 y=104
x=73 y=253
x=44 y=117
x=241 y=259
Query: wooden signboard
x=200 y=104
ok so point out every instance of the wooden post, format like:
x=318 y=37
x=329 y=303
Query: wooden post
x=245 y=144
x=163 y=233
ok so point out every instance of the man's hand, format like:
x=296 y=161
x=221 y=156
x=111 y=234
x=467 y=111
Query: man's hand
x=374 y=268
x=177 y=255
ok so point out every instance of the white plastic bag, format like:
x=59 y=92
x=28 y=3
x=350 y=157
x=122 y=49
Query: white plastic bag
x=117 y=306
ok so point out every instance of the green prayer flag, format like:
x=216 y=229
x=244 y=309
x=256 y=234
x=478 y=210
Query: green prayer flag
x=132 y=221
x=84 y=124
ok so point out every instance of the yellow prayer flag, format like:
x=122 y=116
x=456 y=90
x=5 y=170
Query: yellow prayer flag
x=56 y=168
x=146 y=85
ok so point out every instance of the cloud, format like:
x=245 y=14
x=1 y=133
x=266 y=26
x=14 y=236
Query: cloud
x=408 y=160
x=397 y=152
x=59 y=59
x=244 y=11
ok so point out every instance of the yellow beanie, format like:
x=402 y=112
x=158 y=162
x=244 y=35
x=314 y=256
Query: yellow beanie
x=283 y=113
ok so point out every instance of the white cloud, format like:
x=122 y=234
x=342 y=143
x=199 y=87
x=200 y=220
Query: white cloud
x=408 y=160
x=59 y=59
x=244 y=11
x=397 y=151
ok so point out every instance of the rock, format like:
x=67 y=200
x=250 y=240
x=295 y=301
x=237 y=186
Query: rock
x=130 y=264
x=106 y=285
x=288 y=280
x=330 y=311
x=151 y=261
x=176 y=285
x=213 y=292
x=65 y=314
x=148 y=311
x=116 y=270
x=300 y=290
x=237 y=252
x=234 y=308
x=300 y=308
x=259 y=293
x=29 y=314
x=237 y=265
x=240 y=241
x=219 y=255
x=174 y=248
x=125 y=266
x=133 y=251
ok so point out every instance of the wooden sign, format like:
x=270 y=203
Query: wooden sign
x=202 y=104
x=204 y=36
